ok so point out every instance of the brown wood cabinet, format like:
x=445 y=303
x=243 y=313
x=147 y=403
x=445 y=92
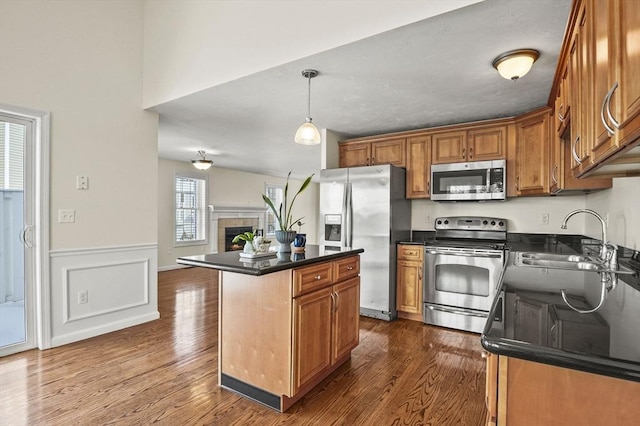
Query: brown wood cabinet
x=325 y=322
x=532 y=153
x=285 y=331
x=418 y=167
x=409 y=281
x=597 y=79
x=520 y=392
x=475 y=144
x=363 y=152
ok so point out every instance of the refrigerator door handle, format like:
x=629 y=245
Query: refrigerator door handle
x=347 y=214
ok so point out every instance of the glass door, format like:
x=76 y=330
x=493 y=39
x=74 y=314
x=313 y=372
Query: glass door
x=16 y=236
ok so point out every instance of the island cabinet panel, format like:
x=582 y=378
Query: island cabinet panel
x=254 y=337
x=283 y=332
x=346 y=321
x=312 y=336
x=531 y=393
x=311 y=278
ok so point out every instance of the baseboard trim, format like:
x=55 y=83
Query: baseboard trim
x=103 y=329
x=172 y=267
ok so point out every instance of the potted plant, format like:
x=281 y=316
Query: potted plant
x=283 y=214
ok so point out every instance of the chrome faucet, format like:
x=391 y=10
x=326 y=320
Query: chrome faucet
x=603 y=249
x=608 y=256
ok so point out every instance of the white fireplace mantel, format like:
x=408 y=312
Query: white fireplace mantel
x=225 y=212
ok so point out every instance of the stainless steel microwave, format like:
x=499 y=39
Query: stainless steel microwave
x=477 y=180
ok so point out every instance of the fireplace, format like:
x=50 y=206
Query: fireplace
x=230 y=232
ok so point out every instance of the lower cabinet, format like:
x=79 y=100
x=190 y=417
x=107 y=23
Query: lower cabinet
x=326 y=329
x=520 y=392
x=282 y=333
x=409 y=281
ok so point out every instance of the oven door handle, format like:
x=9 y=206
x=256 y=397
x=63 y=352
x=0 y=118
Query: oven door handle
x=456 y=311
x=456 y=253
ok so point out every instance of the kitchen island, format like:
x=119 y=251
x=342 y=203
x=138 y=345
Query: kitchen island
x=548 y=364
x=286 y=321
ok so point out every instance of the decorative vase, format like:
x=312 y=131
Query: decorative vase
x=285 y=238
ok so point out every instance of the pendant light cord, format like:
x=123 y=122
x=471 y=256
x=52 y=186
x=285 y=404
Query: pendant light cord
x=309 y=98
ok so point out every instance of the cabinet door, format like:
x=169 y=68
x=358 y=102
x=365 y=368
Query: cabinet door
x=418 y=167
x=449 y=147
x=409 y=286
x=312 y=336
x=627 y=97
x=532 y=146
x=487 y=144
x=580 y=100
x=388 y=152
x=355 y=154
x=346 y=320
x=530 y=322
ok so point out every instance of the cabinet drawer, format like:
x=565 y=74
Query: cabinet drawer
x=410 y=252
x=312 y=278
x=346 y=268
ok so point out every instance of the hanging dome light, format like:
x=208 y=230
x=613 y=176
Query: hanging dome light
x=203 y=163
x=308 y=133
x=516 y=63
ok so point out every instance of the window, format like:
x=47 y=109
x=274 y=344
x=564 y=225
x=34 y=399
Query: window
x=191 y=210
x=275 y=194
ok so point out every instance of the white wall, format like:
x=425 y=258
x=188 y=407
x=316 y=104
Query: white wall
x=227 y=188
x=192 y=45
x=82 y=62
x=622 y=203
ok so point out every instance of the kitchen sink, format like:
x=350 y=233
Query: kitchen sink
x=572 y=262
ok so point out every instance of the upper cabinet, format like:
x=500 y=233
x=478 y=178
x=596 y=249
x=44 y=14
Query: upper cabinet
x=418 y=166
x=532 y=154
x=597 y=89
x=477 y=144
x=362 y=152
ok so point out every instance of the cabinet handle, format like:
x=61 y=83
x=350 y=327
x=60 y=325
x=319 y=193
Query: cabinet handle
x=336 y=301
x=573 y=151
x=561 y=116
x=373 y=161
x=471 y=152
x=615 y=122
x=333 y=302
x=517 y=183
x=349 y=268
x=463 y=150
x=368 y=161
x=318 y=277
x=553 y=174
x=605 y=102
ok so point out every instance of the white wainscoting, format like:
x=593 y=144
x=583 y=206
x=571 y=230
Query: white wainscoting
x=121 y=284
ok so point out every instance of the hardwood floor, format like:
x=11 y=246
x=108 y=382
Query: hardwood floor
x=165 y=372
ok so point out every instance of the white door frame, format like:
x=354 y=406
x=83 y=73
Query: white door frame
x=38 y=173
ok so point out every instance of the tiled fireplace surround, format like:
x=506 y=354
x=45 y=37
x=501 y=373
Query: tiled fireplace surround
x=222 y=217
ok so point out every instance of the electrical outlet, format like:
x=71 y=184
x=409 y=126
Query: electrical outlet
x=66 y=216
x=427 y=218
x=82 y=182
x=83 y=297
x=544 y=218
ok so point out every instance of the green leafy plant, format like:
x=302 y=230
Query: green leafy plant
x=283 y=212
x=245 y=236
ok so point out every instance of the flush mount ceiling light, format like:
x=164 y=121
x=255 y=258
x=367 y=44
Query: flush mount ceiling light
x=308 y=133
x=203 y=163
x=516 y=63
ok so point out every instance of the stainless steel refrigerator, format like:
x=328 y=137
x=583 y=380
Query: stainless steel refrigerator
x=365 y=207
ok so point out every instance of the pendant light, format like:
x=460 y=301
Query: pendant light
x=514 y=64
x=203 y=163
x=308 y=133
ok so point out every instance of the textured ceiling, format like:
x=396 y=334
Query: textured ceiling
x=434 y=72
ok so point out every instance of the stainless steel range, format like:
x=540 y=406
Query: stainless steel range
x=463 y=265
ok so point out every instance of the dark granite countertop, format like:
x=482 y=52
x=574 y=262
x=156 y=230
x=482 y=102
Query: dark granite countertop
x=558 y=335
x=232 y=262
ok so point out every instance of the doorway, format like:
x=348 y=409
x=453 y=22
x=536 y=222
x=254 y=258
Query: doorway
x=23 y=228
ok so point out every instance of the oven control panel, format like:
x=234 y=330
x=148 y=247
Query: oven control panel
x=471 y=223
